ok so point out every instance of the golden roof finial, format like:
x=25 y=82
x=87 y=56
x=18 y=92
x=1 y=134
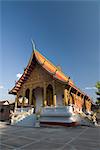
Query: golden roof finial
x=33 y=45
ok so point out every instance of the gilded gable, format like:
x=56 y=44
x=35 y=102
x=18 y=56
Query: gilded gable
x=38 y=75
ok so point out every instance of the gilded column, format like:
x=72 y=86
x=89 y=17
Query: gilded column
x=76 y=99
x=16 y=102
x=23 y=96
x=30 y=97
x=54 y=99
x=81 y=102
x=23 y=91
x=54 y=94
x=65 y=97
x=44 y=100
x=69 y=96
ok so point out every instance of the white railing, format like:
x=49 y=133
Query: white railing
x=27 y=109
x=58 y=111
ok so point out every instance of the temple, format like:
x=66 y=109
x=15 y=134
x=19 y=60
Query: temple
x=45 y=85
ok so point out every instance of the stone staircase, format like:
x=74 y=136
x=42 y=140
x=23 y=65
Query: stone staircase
x=23 y=118
x=84 y=120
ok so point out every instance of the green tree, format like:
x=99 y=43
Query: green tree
x=98 y=92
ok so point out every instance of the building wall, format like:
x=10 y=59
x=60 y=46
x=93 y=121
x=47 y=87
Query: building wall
x=4 y=112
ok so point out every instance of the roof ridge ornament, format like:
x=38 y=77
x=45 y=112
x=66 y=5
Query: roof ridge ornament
x=33 y=44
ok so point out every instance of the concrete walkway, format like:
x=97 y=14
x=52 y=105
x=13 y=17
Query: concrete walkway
x=55 y=138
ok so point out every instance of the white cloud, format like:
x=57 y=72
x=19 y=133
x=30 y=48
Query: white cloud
x=90 y=88
x=18 y=75
x=1 y=87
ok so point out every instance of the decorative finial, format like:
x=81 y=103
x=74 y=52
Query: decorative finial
x=33 y=45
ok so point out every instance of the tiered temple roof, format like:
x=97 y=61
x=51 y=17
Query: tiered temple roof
x=49 y=67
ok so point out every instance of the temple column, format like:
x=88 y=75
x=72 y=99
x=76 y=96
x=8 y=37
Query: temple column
x=81 y=102
x=16 y=102
x=77 y=101
x=69 y=95
x=23 y=95
x=23 y=92
x=44 y=94
x=65 y=97
x=54 y=94
x=30 y=96
x=54 y=99
x=76 y=98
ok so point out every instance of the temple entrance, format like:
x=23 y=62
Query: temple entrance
x=37 y=98
x=49 y=95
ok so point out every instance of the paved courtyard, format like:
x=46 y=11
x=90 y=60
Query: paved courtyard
x=55 y=138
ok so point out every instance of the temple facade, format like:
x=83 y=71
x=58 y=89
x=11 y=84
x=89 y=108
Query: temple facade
x=45 y=85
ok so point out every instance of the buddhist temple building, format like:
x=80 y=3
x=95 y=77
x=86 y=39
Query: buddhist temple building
x=45 y=85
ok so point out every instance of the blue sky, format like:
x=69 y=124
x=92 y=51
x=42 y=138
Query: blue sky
x=66 y=32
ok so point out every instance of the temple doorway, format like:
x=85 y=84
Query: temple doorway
x=37 y=98
x=49 y=95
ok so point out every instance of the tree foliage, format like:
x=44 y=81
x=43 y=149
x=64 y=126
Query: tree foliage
x=98 y=92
